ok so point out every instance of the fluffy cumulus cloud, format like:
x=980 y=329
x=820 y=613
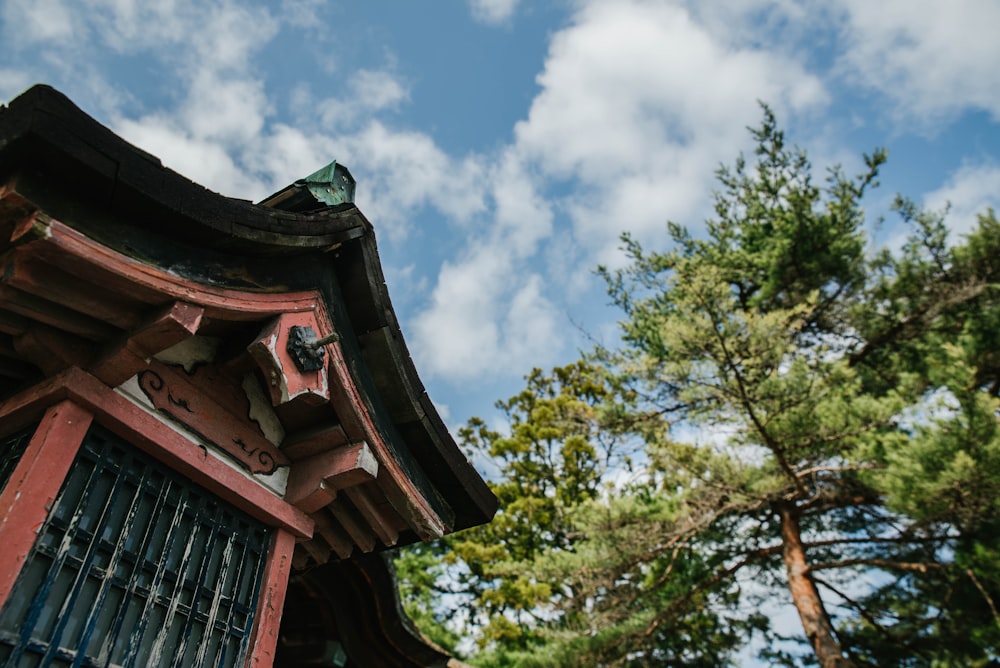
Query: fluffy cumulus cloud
x=206 y=162
x=404 y=171
x=930 y=58
x=639 y=104
x=487 y=318
x=368 y=92
x=12 y=82
x=523 y=216
x=222 y=108
x=39 y=20
x=217 y=105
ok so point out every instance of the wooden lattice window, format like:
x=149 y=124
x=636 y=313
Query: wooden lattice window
x=135 y=566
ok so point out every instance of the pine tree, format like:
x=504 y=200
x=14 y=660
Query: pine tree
x=790 y=418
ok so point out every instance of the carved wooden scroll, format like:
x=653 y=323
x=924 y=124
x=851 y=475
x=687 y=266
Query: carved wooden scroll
x=172 y=394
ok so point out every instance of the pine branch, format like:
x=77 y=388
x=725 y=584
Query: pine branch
x=913 y=324
x=748 y=406
x=834 y=469
x=705 y=585
x=895 y=639
x=876 y=540
x=986 y=596
x=921 y=567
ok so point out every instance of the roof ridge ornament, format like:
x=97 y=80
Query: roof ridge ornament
x=331 y=185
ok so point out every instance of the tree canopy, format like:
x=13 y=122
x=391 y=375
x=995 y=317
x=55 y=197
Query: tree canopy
x=793 y=418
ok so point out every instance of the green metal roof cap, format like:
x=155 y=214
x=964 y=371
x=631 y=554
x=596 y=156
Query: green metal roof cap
x=331 y=185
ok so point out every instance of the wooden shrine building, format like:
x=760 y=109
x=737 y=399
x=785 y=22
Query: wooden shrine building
x=210 y=427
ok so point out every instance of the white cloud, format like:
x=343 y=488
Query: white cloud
x=530 y=329
x=639 y=104
x=970 y=191
x=493 y=11
x=222 y=109
x=631 y=77
x=286 y=154
x=930 y=58
x=484 y=320
x=402 y=171
x=377 y=89
x=488 y=315
x=202 y=160
x=30 y=21
x=302 y=13
x=228 y=36
x=458 y=336
x=231 y=110
x=216 y=35
x=743 y=22
x=129 y=26
x=370 y=91
x=523 y=216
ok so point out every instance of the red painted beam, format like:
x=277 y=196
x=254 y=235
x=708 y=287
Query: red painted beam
x=264 y=641
x=81 y=256
x=34 y=486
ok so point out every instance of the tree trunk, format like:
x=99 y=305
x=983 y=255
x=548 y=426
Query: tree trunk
x=805 y=595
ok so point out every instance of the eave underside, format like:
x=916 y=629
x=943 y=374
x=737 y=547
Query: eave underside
x=67 y=302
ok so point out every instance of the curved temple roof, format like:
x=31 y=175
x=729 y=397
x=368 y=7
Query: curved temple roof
x=112 y=263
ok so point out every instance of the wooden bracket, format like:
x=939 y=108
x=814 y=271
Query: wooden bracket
x=131 y=354
x=306 y=443
x=313 y=482
x=285 y=380
x=52 y=350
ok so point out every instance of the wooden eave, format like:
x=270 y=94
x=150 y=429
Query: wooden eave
x=357 y=601
x=108 y=259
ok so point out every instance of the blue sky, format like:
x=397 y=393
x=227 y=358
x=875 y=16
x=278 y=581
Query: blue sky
x=502 y=146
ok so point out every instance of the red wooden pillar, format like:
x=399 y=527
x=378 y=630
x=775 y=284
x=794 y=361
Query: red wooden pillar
x=32 y=489
x=271 y=600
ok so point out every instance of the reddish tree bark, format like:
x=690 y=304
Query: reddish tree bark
x=805 y=595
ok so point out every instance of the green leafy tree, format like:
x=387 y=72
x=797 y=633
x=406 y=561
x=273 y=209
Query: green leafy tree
x=805 y=422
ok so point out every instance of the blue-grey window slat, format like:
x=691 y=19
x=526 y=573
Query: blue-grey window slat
x=135 y=566
x=103 y=513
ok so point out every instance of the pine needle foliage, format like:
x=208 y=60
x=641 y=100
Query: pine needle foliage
x=793 y=420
